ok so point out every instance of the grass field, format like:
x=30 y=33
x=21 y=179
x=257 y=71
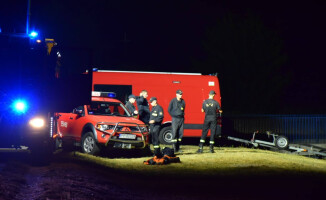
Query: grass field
x=229 y=173
x=225 y=161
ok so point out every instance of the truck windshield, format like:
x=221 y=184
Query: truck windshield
x=108 y=108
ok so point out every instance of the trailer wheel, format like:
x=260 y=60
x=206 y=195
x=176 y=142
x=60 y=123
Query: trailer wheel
x=282 y=142
x=166 y=136
x=89 y=144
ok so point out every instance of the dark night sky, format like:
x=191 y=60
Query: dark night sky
x=174 y=35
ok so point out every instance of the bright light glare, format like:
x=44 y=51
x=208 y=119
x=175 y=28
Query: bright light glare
x=37 y=122
x=20 y=106
x=33 y=34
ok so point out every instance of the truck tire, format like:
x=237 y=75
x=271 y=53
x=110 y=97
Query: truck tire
x=166 y=136
x=282 y=142
x=89 y=144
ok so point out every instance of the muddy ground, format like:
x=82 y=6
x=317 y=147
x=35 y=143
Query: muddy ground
x=67 y=179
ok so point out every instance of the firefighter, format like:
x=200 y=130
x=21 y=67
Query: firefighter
x=129 y=105
x=155 y=120
x=143 y=107
x=211 y=108
x=177 y=111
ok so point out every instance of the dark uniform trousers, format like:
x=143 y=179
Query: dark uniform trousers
x=210 y=107
x=210 y=122
x=177 y=129
x=155 y=131
x=157 y=116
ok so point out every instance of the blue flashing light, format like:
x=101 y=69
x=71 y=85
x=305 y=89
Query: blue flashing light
x=111 y=95
x=95 y=69
x=19 y=106
x=33 y=34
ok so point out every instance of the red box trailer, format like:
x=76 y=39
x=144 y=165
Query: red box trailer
x=163 y=85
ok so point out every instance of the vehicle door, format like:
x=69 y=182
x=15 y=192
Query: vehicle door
x=77 y=122
x=68 y=121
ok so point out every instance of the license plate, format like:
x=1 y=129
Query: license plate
x=120 y=145
x=126 y=146
x=127 y=136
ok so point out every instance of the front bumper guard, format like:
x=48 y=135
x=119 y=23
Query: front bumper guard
x=128 y=141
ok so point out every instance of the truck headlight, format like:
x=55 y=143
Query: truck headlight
x=143 y=129
x=37 y=122
x=104 y=127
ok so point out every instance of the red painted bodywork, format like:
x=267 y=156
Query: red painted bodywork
x=70 y=125
x=195 y=89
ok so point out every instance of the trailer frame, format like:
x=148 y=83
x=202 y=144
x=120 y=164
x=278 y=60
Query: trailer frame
x=284 y=146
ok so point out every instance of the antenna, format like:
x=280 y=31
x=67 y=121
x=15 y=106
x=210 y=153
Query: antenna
x=28 y=16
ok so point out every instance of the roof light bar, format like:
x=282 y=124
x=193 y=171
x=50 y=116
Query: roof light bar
x=104 y=94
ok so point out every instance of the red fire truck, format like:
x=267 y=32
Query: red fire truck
x=163 y=85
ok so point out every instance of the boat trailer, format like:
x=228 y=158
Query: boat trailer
x=280 y=143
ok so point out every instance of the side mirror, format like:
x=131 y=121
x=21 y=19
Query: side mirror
x=77 y=111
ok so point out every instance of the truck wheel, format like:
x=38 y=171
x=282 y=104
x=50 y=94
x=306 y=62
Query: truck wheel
x=89 y=145
x=282 y=142
x=166 y=136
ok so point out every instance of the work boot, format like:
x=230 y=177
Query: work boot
x=174 y=147
x=200 y=149
x=178 y=148
x=211 y=148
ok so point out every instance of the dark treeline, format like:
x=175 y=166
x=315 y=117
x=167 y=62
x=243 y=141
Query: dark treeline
x=268 y=55
x=249 y=59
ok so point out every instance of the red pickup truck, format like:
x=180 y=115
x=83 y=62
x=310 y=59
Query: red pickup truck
x=104 y=123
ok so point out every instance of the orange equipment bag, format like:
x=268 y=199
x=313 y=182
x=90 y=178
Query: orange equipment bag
x=162 y=161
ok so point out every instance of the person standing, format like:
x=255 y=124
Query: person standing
x=143 y=107
x=130 y=105
x=155 y=120
x=211 y=108
x=177 y=111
